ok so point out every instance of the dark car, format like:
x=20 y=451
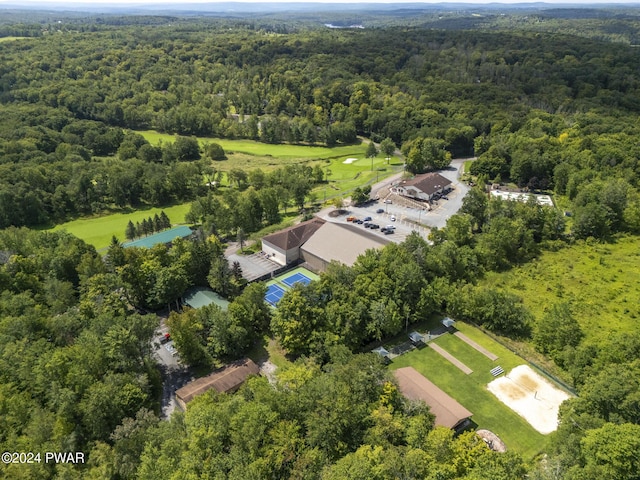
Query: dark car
x=359 y=222
x=388 y=231
x=367 y=225
x=374 y=226
x=380 y=210
x=367 y=219
x=165 y=338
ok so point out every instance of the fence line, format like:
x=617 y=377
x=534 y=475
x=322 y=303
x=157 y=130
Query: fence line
x=541 y=369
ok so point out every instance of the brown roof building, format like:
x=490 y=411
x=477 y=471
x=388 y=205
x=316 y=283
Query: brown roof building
x=283 y=247
x=423 y=187
x=225 y=380
x=415 y=386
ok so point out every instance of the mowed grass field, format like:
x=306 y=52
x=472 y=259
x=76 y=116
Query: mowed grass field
x=599 y=281
x=97 y=231
x=344 y=177
x=247 y=155
x=471 y=391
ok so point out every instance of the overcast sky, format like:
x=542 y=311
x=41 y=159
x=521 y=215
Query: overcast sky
x=176 y=3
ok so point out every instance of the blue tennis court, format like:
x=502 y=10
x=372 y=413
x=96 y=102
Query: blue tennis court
x=296 y=278
x=274 y=294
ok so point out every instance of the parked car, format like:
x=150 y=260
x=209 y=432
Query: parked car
x=380 y=210
x=351 y=218
x=388 y=231
x=360 y=222
x=390 y=227
x=367 y=219
x=388 y=201
x=165 y=338
x=374 y=226
x=367 y=225
x=393 y=218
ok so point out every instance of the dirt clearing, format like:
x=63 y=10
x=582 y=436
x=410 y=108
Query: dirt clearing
x=531 y=396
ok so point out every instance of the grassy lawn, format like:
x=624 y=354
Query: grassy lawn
x=344 y=177
x=97 y=231
x=600 y=282
x=264 y=150
x=10 y=39
x=470 y=390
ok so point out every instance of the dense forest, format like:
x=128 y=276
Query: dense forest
x=541 y=111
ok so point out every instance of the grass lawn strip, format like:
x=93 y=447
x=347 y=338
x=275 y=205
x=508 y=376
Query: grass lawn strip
x=97 y=231
x=454 y=361
x=481 y=365
x=475 y=346
x=471 y=391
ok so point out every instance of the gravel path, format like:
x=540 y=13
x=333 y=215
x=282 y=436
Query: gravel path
x=451 y=358
x=474 y=345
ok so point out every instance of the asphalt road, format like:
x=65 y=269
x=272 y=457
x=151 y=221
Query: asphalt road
x=174 y=374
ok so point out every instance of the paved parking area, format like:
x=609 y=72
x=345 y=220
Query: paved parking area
x=174 y=374
x=406 y=215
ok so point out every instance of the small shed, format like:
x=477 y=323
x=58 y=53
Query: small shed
x=384 y=353
x=448 y=322
x=416 y=338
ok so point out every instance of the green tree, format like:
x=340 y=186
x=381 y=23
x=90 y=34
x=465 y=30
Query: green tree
x=130 y=232
x=372 y=151
x=612 y=451
x=557 y=330
x=214 y=151
x=388 y=147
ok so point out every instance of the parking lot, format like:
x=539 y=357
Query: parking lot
x=409 y=215
x=174 y=374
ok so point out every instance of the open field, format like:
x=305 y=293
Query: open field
x=600 y=282
x=9 y=39
x=97 y=231
x=471 y=390
x=276 y=152
x=344 y=177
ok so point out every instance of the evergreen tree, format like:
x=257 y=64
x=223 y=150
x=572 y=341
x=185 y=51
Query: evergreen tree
x=130 y=231
x=164 y=220
x=157 y=224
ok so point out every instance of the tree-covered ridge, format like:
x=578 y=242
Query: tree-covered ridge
x=525 y=103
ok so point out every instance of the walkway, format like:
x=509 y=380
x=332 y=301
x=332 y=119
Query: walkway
x=451 y=358
x=474 y=345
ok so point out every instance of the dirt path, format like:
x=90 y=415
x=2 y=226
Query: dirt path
x=474 y=345
x=451 y=358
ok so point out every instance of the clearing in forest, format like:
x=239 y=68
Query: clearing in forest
x=530 y=395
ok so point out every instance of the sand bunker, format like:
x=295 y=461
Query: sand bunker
x=350 y=160
x=531 y=396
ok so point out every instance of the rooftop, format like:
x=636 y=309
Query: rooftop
x=344 y=243
x=415 y=386
x=227 y=379
x=428 y=183
x=295 y=236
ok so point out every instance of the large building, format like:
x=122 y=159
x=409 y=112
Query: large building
x=318 y=242
x=448 y=412
x=422 y=187
x=225 y=380
x=342 y=243
x=283 y=247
